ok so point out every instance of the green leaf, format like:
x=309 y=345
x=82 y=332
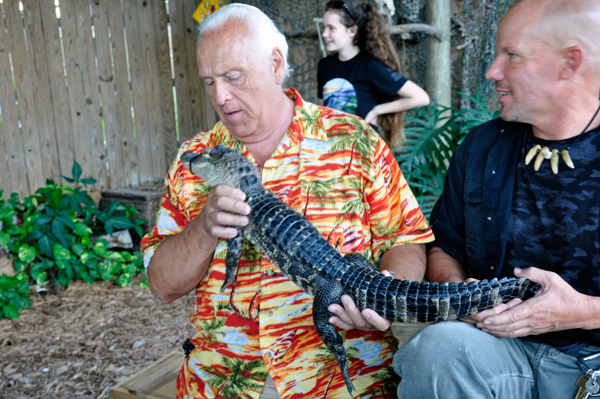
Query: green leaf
x=61 y=253
x=10 y=311
x=27 y=253
x=65 y=220
x=59 y=232
x=100 y=248
x=82 y=230
x=124 y=280
x=121 y=223
x=56 y=200
x=43 y=219
x=112 y=255
x=67 y=179
x=78 y=249
x=88 y=181
x=4 y=238
x=76 y=171
x=45 y=244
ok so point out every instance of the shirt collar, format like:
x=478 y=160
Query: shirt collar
x=306 y=124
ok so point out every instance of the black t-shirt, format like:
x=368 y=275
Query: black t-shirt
x=357 y=85
x=555 y=221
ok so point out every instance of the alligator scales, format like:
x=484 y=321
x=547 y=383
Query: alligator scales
x=297 y=248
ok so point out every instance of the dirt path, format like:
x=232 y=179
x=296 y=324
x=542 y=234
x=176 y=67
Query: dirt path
x=87 y=340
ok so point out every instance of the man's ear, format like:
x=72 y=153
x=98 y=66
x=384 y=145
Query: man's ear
x=572 y=60
x=278 y=65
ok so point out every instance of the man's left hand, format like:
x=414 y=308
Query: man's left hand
x=349 y=317
x=557 y=306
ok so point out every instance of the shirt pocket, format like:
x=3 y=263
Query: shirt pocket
x=337 y=208
x=473 y=198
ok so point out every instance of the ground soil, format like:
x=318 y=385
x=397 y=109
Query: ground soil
x=83 y=342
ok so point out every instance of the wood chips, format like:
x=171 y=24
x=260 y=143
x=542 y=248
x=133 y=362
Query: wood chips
x=88 y=339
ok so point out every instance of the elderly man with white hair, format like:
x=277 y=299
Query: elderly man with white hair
x=257 y=338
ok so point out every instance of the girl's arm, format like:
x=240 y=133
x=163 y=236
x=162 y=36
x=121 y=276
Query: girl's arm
x=412 y=95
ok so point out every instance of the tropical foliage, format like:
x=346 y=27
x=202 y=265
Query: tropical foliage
x=53 y=235
x=432 y=135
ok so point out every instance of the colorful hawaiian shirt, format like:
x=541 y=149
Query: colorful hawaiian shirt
x=337 y=172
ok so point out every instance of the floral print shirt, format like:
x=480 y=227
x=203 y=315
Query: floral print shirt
x=337 y=172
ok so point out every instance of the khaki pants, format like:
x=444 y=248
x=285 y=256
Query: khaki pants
x=269 y=391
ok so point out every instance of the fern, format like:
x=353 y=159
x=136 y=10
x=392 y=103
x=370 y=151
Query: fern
x=432 y=135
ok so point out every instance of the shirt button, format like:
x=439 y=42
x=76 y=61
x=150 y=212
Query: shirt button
x=489 y=218
x=493 y=172
x=492 y=267
x=501 y=130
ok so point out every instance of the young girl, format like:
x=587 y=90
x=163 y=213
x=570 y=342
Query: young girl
x=363 y=77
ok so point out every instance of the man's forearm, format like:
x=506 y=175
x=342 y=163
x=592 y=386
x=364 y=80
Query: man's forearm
x=179 y=263
x=443 y=267
x=407 y=262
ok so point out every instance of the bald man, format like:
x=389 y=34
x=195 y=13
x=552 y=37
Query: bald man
x=522 y=196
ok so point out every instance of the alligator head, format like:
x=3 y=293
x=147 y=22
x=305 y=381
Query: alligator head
x=220 y=165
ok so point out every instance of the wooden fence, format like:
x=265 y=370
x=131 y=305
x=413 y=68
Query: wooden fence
x=112 y=84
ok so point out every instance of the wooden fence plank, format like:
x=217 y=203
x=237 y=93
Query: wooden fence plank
x=147 y=30
x=138 y=90
x=41 y=90
x=10 y=122
x=169 y=134
x=203 y=115
x=25 y=97
x=107 y=91
x=93 y=111
x=180 y=69
x=81 y=139
x=60 y=99
x=130 y=155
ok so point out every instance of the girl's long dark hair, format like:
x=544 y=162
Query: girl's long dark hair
x=374 y=38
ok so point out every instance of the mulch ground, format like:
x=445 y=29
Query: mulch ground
x=88 y=339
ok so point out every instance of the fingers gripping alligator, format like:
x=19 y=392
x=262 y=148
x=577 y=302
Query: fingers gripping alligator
x=297 y=248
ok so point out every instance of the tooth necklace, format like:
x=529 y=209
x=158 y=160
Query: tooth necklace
x=552 y=155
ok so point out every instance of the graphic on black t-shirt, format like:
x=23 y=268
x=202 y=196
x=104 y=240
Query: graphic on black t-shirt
x=357 y=85
x=339 y=94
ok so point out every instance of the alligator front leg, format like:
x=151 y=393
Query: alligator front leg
x=326 y=295
x=232 y=261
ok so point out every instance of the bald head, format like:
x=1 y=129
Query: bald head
x=563 y=23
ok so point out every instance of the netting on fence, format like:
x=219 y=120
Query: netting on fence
x=474 y=26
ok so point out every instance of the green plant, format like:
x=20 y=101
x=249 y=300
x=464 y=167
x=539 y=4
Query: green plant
x=13 y=295
x=432 y=135
x=54 y=234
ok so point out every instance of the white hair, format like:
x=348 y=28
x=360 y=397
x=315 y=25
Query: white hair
x=263 y=29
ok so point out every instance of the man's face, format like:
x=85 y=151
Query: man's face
x=525 y=71
x=239 y=79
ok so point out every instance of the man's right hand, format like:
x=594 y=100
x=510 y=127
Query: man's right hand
x=224 y=208
x=182 y=260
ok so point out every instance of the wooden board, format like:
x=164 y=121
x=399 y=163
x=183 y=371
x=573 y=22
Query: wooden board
x=24 y=89
x=156 y=381
x=107 y=91
x=93 y=111
x=10 y=122
x=130 y=162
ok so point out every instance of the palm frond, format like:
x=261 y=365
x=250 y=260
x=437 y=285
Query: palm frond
x=433 y=133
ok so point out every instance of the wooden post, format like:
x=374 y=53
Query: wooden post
x=438 y=75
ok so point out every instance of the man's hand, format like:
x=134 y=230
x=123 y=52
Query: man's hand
x=557 y=306
x=349 y=317
x=225 y=207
